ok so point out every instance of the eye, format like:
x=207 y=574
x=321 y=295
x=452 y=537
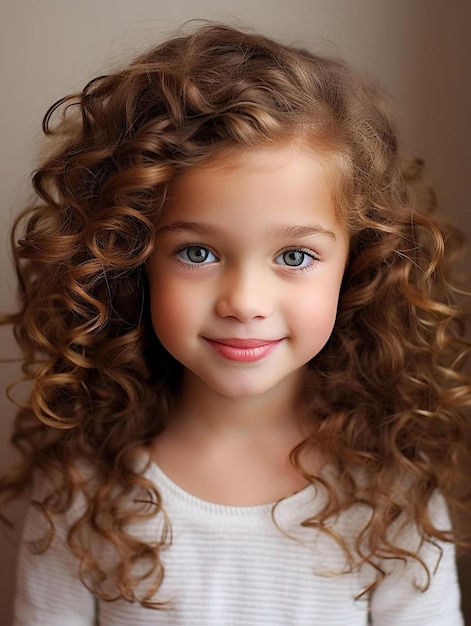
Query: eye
x=196 y=255
x=295 y=258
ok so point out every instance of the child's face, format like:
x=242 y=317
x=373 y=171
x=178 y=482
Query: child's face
x=245 y=276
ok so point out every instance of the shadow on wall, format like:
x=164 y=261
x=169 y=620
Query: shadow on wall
x=439 y=83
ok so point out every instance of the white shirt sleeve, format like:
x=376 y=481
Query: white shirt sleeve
x=48 y=588
x=398 y=602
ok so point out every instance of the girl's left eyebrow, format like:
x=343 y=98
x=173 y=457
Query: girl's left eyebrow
x=297 y=232
x=282 y=230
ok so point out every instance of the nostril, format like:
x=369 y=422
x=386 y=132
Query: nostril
x=243 y=304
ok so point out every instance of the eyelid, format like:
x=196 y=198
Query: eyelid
x=308 y=251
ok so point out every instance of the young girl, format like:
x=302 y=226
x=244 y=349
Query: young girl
x=244 y=350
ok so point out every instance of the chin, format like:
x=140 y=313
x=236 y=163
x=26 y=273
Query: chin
x=248 y=388
x=241 y=391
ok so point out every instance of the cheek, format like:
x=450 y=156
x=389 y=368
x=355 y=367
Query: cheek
x=175 y=310
x=315 y=315
x=167 y=304
x=164 y=318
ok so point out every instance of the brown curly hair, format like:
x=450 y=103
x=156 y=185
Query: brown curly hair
x=387 y=395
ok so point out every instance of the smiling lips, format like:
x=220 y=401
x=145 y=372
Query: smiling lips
x=243 y=350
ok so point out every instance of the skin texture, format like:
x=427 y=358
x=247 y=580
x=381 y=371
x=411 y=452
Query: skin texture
x=245 y=279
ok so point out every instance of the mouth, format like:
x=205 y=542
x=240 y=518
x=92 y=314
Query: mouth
x=243 y=350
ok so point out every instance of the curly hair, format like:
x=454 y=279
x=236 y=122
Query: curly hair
x=387 y=396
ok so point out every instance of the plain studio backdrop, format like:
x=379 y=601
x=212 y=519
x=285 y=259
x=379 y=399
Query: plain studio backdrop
x=419 y=49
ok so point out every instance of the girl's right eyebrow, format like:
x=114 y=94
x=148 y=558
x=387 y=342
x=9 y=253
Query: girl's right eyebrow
x=193 y=227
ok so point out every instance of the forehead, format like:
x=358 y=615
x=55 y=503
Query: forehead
x=261 y=159
x=288 y=169
x=259 y=190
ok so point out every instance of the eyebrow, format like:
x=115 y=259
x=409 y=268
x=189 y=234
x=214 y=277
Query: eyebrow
x=280 y=230
x=297 y=232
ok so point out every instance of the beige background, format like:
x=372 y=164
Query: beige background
x=420 y=49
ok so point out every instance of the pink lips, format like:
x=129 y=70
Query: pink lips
x=243 y=350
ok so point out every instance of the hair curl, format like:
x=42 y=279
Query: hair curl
x=387 y=395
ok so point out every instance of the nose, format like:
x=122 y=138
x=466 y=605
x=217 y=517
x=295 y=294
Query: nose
x=244 y=295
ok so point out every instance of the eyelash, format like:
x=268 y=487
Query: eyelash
x=307 y=253
x=191 y=265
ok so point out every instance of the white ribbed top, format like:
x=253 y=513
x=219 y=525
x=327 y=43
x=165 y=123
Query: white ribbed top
x=232 y=566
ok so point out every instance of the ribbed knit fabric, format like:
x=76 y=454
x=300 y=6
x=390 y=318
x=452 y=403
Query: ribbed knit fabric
x=232 y=566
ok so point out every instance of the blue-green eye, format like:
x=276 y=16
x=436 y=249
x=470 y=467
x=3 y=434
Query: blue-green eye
x=295 y=258
x=196 y=255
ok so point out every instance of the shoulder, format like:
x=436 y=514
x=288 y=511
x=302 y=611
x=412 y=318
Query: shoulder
x=47 y=568
x=424 y=590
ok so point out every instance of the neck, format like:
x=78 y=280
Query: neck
x=235 y=450
x=202 y=411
